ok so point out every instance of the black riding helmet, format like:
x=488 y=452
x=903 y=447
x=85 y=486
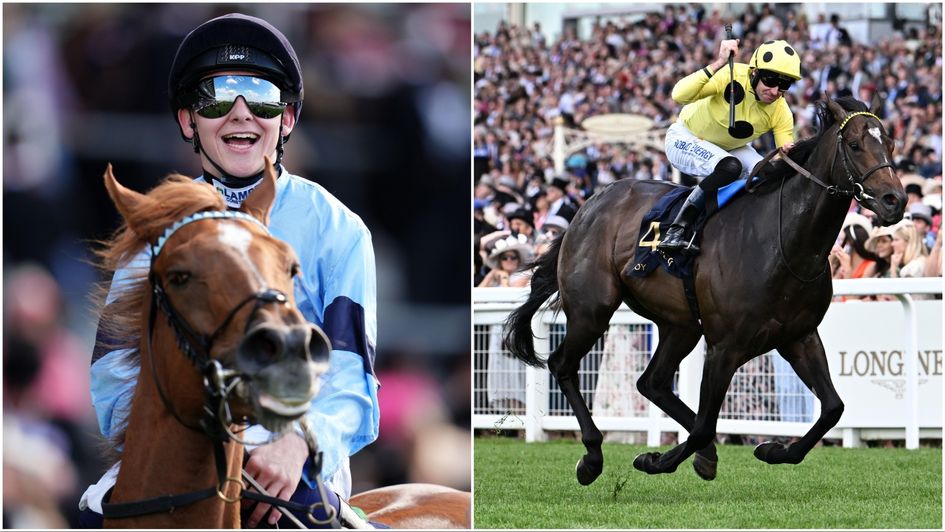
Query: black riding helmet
x=235 y=42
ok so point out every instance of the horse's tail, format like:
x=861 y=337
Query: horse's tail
x=519 y=339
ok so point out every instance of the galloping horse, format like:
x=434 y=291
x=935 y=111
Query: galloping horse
x=221 y=344
x=761 y=282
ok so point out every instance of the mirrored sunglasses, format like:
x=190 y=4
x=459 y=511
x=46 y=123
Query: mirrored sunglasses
x=216 y=96
x=773 y=79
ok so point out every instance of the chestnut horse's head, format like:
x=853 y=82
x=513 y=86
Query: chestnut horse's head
x=222 y=320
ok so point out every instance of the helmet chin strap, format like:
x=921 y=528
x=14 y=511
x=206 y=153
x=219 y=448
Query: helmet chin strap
x=753 y=79
x=227 y=178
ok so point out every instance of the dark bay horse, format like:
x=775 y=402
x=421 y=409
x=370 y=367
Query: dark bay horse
x=761 y=283
x=221 y=344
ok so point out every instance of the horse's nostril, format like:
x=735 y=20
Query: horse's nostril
x=891 y=200
x=319 y=345
x=262 y=345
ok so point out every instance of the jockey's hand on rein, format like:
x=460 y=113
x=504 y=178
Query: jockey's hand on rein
x=277 y=467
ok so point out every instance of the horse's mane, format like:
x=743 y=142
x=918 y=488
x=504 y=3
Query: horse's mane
x=121 y=320
x=803 y=149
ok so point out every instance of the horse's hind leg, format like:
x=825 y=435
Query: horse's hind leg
x=585 y=327
x=717 y=372
x=809 y=361
x=656 y=384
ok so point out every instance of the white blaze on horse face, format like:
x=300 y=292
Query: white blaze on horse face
x=877 y=134
x=237 y=237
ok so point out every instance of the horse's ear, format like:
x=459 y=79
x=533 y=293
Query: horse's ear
x=876 y=104
x=259 y=202
x=127 y=201
x=839 y=113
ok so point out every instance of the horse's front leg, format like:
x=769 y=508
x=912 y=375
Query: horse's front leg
x=717 y=372
x=809 y=361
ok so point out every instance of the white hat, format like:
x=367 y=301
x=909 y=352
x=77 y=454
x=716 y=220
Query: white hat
x=921 y=211
x=878 y=233
x=854 y=218
x=556 y=221
x=517 y=243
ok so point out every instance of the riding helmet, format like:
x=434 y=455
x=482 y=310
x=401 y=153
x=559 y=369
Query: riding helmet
x=777 y=56
x=235 y=42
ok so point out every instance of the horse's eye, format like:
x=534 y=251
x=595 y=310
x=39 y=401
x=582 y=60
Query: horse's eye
x=855 y=146
x=178 y=278
x=295 y=269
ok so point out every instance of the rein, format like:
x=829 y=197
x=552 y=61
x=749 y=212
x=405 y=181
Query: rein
x=856 y=192
x=219 y=382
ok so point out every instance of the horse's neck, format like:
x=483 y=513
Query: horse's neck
x=163 y=457
x=808 y=218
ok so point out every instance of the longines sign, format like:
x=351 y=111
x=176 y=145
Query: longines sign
x=866 y=352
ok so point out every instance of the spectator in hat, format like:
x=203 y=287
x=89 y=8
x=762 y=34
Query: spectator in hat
x=560 y=202
x=921 y=216
x=506 y=258
x=880 y=244
x=522 y=222
x=912 y=183
x=850 y=259
x=553 y=227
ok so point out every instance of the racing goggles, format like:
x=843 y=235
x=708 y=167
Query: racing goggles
x=216 y=96
x=773 y=79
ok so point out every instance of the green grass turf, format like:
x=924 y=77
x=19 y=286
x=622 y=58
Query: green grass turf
x=532 y=485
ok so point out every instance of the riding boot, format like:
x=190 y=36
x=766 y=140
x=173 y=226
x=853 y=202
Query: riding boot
x=674 y=240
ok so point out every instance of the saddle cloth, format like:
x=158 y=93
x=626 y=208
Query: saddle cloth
x=657 y=221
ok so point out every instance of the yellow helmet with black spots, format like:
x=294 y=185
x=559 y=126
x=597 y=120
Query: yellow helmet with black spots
x=777 y=56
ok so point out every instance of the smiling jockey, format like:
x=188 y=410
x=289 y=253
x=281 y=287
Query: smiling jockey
x=236 y=92
x=700 y=143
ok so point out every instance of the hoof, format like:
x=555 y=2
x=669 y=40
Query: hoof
x=648 y=463
x=705 y=467
x=586 y=474
x=771 y=452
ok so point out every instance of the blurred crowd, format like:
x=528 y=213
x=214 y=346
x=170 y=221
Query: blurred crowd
x=385 y=127
x=526 y=84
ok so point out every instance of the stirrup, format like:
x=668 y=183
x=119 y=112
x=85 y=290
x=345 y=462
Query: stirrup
x=691 y=248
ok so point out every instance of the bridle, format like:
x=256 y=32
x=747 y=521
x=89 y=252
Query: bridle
x=219 y=383
x=856 y=190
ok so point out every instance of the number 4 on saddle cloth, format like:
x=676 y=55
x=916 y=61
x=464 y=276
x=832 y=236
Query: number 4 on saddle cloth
x=657 y=221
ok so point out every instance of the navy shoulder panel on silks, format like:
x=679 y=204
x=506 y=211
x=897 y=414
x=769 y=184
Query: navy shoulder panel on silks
x=344 y=325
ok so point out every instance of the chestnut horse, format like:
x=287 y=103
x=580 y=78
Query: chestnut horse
x=221 y=344
x=761 y=283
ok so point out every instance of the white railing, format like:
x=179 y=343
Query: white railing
x=863 y=340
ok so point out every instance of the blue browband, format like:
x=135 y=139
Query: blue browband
x=205 y=215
